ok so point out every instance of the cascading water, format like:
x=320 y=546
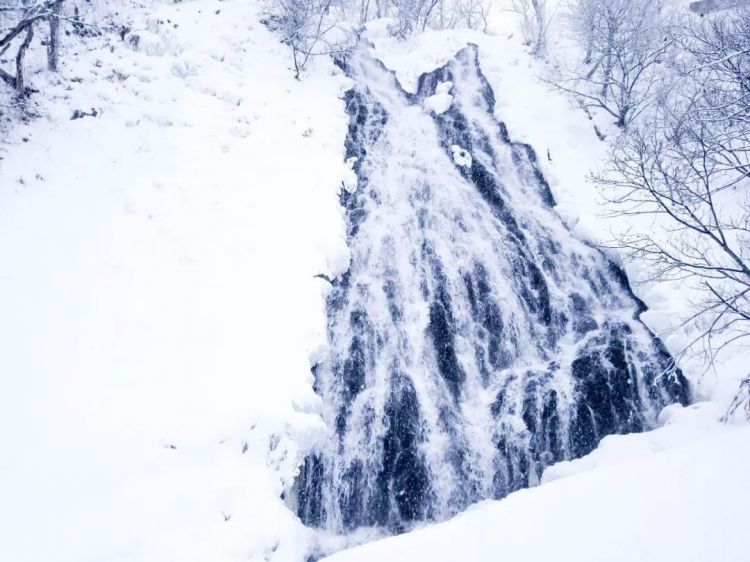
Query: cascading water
x=474 y=340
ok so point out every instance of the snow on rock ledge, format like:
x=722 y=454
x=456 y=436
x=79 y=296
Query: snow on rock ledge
x=441 y=101
x=461 y=156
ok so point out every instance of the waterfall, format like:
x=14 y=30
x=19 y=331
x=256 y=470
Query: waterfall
x=474 y=340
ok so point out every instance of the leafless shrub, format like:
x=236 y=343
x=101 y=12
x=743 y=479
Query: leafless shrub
x=310 y=28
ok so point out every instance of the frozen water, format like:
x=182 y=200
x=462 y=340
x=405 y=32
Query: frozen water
x=474 y=340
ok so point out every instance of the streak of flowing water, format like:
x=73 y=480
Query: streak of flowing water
x=474 y=340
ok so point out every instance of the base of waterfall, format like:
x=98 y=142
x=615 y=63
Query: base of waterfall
x=676 y=494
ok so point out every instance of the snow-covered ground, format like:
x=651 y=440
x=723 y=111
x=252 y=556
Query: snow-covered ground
x=158 y=310
x=157 y=295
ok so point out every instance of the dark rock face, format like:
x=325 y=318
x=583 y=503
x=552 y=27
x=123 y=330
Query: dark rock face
x=474 y=341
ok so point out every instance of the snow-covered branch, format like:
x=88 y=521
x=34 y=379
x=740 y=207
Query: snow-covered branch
x=688 y=168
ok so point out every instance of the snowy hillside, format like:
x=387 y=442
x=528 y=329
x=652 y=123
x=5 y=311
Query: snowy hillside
x=188 y=252
x=158 y=297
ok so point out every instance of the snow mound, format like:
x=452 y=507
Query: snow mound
x=461 y=156
x=441 y=101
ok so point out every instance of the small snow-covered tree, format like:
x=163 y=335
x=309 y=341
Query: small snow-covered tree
x=53 y=43
x=585 y=15
x=717 y=83
x=624 y=42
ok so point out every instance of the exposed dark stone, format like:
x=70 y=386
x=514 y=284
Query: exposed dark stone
x=403 y=466
x=311 y=479
x=442 y=332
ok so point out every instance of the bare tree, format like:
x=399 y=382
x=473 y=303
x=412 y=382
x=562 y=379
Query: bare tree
x=477 y=14
x=309 y=28
x=717 y=85
x=585 y=16
x=470 y=14
x=20 y=32
x=53 y=44
x=673 y=174
x=535 y=21
x=624 y=42
x=689 y=169
x=417 y=15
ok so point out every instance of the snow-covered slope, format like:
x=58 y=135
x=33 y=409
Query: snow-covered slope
x=157 y=295
x=662 y=501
